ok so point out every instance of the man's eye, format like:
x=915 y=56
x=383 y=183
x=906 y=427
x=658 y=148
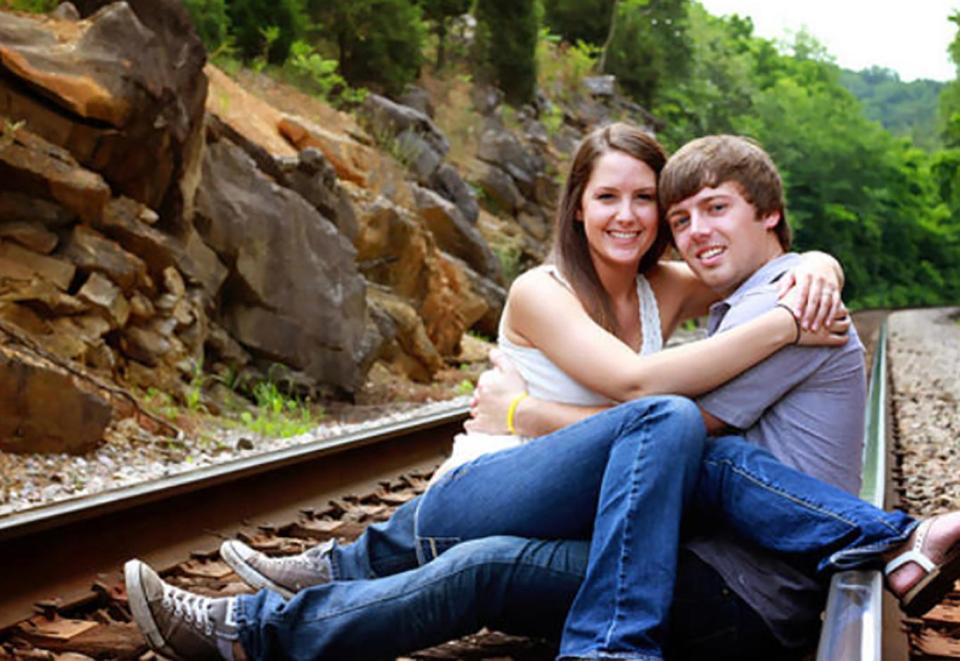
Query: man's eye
x=679 y=223
x=718 y=207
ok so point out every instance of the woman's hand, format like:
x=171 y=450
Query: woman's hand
x=815 y=286
x=496 y=388
x=834 y=333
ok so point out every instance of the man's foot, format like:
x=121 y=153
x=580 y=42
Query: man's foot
x=176 y=623
x=286 y=575
x=923 y=570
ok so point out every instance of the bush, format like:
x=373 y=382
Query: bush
x=210 y=21
x=251 y=21
x=378 y=42
x=562 y=67
x=579 y=20
x=506 y=44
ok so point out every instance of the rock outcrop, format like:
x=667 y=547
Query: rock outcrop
x=294 y=294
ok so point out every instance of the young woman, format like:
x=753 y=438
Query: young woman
x=574 y=330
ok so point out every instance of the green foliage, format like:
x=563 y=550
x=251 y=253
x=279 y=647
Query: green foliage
x=250 y=19
x=561 y=67
x=505 y=46
x=649 y=46
x=319 y=75
x=579 y=20
x=33 y=6
x=278 y=415
x=378 y=43
x=270 y=35
x=509 y=258
x=904 y=109
x=465 y=387
x=210 y=21
x=439 y=13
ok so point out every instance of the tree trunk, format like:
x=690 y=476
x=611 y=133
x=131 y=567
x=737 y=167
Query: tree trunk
x=606 y=44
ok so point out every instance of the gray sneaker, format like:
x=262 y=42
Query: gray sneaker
x=176 y=623
x=286 y=575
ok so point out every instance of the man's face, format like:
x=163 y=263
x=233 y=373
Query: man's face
x=718 y=233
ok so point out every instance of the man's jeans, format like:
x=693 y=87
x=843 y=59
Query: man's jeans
x=552 y=487
x=510 y=584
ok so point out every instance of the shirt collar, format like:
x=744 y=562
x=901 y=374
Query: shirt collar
x=764 y=275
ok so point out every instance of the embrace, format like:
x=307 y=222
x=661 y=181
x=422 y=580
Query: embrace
x=629 y=501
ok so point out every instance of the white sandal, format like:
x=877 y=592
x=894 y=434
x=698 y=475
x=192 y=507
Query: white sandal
x=929 y=590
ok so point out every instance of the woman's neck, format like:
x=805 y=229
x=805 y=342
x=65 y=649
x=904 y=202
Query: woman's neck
x=619 y=281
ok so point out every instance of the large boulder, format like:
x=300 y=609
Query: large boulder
x=454 y=234
x=44 y=408
x=395 y=250
x=128 y=222
x=311 y=175
x=447 y=181
x=502 y=149
x=125 y=97
x=353 y=162
x=33 y=169
x=294 y=294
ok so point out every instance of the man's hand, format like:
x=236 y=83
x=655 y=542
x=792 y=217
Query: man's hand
x=495 y=389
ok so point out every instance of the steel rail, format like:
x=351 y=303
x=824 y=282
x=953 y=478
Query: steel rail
x=852 y=626
x=79 y=509
x=57 y=551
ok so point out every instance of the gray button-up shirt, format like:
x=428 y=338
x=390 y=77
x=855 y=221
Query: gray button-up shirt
x=806 y=406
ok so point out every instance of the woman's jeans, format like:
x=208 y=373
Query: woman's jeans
x=622 y=479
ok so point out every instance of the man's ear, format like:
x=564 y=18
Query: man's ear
x=771 y=219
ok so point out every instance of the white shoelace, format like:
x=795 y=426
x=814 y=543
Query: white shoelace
x=193 y=608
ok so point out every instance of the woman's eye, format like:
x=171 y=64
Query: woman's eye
x=718 y=207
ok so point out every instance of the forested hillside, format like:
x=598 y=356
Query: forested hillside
x=888 y=207
x=904 y=109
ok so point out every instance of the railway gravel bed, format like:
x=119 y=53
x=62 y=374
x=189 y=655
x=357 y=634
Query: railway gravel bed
x=924 y=363
x=133 y=456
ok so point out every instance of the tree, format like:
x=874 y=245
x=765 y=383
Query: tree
x=648 y=44
x=209 y=20
x=439 y=12
x=506 y=44
x=378 y=42
x=251 y=19
x=579 y=20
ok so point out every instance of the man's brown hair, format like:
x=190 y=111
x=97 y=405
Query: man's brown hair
x=712 y=160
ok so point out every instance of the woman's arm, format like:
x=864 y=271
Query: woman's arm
x=818 y=277
x=548 y=316
x=499 y=386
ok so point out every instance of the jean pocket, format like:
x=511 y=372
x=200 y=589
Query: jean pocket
x=430 y=548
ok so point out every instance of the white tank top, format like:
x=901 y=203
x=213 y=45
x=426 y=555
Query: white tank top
x=547 y=381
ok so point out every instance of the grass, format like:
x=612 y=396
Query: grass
x=278 y=414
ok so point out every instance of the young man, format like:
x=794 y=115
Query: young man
x=803 y=405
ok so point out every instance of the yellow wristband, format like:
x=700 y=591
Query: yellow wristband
x=512 y=411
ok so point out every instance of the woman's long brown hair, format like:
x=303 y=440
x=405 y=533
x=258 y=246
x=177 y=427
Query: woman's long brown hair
x=570 y=249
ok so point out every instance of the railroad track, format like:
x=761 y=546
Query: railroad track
x=61 y=583
x=62 y=591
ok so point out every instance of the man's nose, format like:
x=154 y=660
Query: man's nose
x=698 y=224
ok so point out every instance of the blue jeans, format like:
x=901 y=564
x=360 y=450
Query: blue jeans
x=510 y=584
x=798 y=514
x=621 y=479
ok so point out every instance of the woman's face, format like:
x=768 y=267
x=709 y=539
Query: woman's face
x=619 y=209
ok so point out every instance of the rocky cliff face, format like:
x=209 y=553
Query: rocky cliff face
x=155 y=217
